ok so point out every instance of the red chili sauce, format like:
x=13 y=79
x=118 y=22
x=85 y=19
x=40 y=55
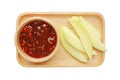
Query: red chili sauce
x=38 y=39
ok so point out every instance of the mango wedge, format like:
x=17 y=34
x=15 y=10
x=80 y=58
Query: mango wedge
x=93 y=33
x=72 y=39
x=71 y=50
x=83 y=35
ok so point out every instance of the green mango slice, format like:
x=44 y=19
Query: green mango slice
x=83 y=35
x=93 y=33
x=72 y=39
x=71 y=50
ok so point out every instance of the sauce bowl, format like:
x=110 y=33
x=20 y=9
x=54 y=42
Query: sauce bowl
x=36 y=39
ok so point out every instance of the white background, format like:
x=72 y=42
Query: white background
x=11 y=70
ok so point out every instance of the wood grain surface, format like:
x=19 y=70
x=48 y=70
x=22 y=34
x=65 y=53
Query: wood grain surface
x=62 y=58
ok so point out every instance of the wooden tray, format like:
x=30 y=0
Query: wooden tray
x=62 y=58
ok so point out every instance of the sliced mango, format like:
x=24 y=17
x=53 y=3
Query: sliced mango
x=93 y=33
x=83 y=35
x=72 y=39
x=71 y=50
